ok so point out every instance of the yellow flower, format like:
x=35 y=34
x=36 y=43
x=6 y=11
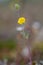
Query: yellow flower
x=21 y=20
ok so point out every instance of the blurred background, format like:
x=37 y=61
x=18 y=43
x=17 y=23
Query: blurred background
x=10 y=11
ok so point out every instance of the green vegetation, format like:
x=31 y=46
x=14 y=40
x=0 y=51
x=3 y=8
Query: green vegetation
x=10 y=44
x=38 y=46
